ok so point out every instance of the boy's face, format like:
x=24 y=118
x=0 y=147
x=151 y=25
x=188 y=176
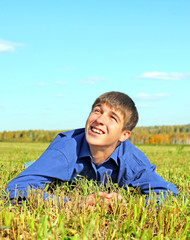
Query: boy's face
x=104 y=127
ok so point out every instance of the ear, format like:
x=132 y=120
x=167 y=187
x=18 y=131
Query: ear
x=125 y=135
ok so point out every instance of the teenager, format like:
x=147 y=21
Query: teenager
x=100 y=152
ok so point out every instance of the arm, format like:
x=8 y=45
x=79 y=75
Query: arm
x=148 y=179
x=24 y=186
x=51 y=165
x=139 y=172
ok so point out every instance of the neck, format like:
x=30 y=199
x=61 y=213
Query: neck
x=100 y=154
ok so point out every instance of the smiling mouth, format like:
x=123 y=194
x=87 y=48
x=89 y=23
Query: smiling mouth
x=98 y=131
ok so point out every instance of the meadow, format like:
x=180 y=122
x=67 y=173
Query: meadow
x=36 y=219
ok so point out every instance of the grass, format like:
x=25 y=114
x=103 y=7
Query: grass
x=45 y=220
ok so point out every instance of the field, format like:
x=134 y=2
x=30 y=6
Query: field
x=46 y=220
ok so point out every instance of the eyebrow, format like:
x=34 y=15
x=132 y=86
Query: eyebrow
x=116 y=115
x=112 y=112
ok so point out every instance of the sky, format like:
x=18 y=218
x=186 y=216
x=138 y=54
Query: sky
x=57 y=57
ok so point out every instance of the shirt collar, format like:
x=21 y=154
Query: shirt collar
x=85 y=152
x=114 y=155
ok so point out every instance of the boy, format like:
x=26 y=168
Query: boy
x=99 y=152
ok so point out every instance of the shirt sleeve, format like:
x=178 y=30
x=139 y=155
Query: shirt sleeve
x=51 y=165
x=147 y=179
x=139 y=172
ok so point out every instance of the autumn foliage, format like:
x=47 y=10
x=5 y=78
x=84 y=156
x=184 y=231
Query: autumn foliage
x=161 y=135
x=179 y=134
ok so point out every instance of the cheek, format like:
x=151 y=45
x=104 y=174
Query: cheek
x=90 y=119
x=115 y=128
x=112 y=124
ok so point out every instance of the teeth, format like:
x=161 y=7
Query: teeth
x=97 y=131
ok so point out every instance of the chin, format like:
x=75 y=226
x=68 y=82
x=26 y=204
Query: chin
x=91 y=141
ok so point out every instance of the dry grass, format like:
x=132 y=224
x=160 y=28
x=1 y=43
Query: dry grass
x=37 y=219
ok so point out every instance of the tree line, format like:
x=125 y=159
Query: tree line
x=178 y=134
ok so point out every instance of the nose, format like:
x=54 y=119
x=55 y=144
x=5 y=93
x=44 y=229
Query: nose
x=101 y=119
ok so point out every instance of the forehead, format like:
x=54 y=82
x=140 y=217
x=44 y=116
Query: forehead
x=111 y=109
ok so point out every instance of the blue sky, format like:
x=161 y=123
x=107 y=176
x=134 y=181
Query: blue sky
x=57 y=56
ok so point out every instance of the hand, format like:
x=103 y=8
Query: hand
x=103 y=198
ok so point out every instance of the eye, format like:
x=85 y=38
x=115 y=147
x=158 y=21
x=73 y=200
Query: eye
x=114 y=118
x=96 y=110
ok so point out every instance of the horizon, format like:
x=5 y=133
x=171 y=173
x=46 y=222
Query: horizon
x=79 y=128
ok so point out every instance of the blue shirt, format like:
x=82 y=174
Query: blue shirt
x=69 y=156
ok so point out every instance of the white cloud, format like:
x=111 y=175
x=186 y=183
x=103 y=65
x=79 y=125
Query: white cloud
x=60 y=96
x=65 y=69
x=40 y=84
x=144 y=106
x=6 y=46
x=60 y=83
x=93 y=80
x=174 y=76
x=2 y=106
x=147 y=97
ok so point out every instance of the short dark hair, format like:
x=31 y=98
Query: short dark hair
x=123 y=103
